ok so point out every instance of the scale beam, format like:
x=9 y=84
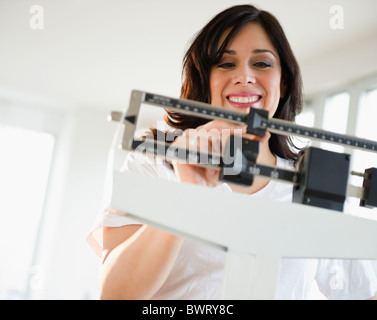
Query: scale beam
x=315 y=184
x=258 y=122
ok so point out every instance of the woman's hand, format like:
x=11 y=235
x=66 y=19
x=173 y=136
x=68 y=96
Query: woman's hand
x=209 y=138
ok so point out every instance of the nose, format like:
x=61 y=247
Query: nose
x=244 y=76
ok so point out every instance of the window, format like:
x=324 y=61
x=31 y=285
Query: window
x=352 y=112
x=305 y=118
x=365 y=128
x=335 y=118
x=24 y=170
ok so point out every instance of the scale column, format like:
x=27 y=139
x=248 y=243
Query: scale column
x=250 y=277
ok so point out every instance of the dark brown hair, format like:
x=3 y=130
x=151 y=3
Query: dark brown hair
x=206 y=50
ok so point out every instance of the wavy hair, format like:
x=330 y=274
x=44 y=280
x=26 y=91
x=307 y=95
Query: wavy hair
x=206 y=50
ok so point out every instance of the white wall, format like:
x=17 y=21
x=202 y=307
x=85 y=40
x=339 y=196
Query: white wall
x=71 y=267
x=67 y=266
x=341 y=67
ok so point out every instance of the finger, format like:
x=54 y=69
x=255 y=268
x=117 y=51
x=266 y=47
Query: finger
x=213 y=177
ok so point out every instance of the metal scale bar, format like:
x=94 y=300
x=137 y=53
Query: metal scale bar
x=257 y=123
x=273 y=125
x=287 y=128
x=194 y=108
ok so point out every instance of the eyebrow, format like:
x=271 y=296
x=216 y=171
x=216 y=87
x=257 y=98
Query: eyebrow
x=256 y=51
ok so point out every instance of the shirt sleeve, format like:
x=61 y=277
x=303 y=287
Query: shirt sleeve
x=346 y=279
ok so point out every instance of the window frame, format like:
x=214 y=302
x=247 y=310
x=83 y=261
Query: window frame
x=356 y=91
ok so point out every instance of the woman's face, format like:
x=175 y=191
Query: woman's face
x=249 y=73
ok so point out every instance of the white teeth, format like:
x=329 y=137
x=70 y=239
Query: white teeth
x=244 y=99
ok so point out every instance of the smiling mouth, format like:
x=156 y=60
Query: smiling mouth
x=244 y=101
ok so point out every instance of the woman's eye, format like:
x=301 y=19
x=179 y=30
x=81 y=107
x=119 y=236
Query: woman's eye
x=226 y=65
x=262 y=64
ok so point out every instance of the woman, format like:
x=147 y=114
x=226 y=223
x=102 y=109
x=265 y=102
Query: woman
x=241 y=59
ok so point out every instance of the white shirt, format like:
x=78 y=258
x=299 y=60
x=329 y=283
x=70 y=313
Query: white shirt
x=199 y=269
